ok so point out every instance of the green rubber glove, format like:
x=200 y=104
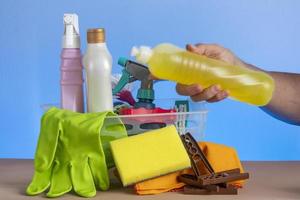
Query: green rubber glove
x=70 y=155
x=49 y=131
x=113 y=129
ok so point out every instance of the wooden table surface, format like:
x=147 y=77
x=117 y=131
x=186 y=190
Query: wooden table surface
x=268 y=180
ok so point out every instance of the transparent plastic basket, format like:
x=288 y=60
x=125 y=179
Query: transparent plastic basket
x=192 y=121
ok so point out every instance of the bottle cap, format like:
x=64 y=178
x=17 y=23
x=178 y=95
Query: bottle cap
x=142 y=53
x=71 y=38
x=96 y=35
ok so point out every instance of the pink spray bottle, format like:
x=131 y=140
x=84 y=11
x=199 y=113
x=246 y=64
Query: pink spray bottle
x=71 y=67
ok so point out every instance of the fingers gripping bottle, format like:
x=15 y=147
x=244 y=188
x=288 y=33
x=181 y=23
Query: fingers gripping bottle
x=169 y=62
x=71 y=66
x=98 y=65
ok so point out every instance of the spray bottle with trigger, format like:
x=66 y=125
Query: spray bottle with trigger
x=134 y=71
x=71 y=66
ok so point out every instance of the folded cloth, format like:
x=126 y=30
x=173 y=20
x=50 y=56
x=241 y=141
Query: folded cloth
x=221 y=158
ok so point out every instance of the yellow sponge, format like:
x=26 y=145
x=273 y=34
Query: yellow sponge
x=149 y=155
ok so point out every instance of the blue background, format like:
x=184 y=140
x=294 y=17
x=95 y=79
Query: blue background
x=262 y=32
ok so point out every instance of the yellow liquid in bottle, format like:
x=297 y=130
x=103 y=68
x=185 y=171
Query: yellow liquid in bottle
x=172 y=63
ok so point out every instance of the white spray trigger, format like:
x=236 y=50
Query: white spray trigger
x=71 y=20
x=71 y=37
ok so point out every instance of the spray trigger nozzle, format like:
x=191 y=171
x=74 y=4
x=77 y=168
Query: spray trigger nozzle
x=71 y=21
x=71 y=31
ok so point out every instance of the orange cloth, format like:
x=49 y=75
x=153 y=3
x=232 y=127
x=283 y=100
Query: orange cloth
x=221 y=158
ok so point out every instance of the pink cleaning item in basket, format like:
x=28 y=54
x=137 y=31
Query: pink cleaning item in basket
x=71 y=66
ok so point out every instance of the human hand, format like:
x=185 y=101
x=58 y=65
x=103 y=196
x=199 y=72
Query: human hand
x=214 y=92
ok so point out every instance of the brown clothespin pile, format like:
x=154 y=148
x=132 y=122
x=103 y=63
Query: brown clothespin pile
x=211 y=182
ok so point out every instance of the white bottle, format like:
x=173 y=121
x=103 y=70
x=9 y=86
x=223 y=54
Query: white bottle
x=97 y=62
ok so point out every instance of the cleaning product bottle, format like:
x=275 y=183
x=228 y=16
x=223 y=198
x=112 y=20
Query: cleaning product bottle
x=98 y=65
x=71 y=67
x=167 y=61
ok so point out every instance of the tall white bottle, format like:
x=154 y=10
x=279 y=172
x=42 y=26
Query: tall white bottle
x=97 y=62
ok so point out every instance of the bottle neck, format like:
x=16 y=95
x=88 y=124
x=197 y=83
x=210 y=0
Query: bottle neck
x=96 y=47
x=71 y=41
x=103 y=44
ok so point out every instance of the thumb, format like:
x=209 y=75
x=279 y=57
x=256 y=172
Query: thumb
x=195 y=49
x=190 y=47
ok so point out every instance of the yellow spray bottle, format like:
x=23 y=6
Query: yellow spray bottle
x=169 y=62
